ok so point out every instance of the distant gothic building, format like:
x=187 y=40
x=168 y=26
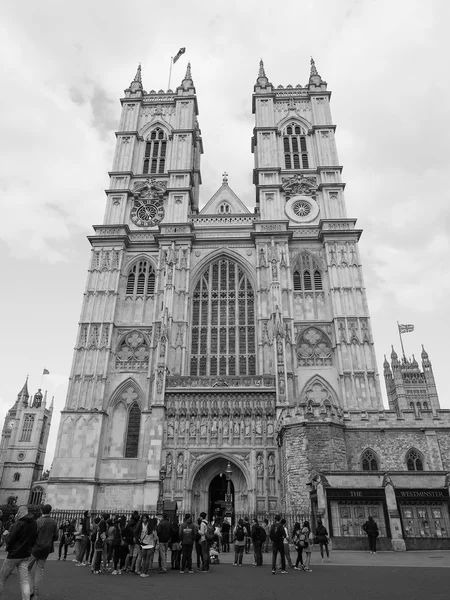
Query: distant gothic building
x=221 y=335
x=22 y=448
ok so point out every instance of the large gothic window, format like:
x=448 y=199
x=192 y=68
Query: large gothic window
x=307 y=275
x=414 y=460
x=314 y=348
x=27 y=428
x=295 y=148
x=223 y=322
x=134 y=424
x=155 y=152
x=369 y=460
x=141 y=280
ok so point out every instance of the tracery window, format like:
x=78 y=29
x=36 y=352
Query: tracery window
x=27 y=428
x=307 y=275
x=133 y=352
x=16 y=477
x=414 y=460
x=295 y=147
x=369 y=460
x=314 y=348
x=223 y=322
x=37 y=495
x=133 y=427
x=141 y=280
x=155 y=152
x=224 y=208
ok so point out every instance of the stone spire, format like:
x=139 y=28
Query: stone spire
x=424 y=356
x=37 y=399
x=262 y=80
x=136 y=84
x=314 y=77
x=187 y=82
x=262 y=72
x=225 y=178
x=188 y=72
x=313 y=68
x=23 y=395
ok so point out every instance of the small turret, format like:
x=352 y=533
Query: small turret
x=387 y=366
x=314 y=78
x=425 y=358
x=188 y=82
x=23 y=395
x=394 y=358
x=261 y=80
x=136 y=84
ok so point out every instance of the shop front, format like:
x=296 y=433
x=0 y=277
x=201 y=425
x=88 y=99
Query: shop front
x=349 y=509
x=425 y=518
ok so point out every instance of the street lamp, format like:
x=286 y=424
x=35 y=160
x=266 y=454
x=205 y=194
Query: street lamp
x=160 y=503
x=228 y=500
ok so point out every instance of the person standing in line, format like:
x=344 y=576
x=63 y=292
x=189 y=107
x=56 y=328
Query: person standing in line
x=239 y=542
x=322 y=537
x=149 y=541
x=47 y=535
x=298 y=546
x=163 y=531
x=225 y=530
x=78 y=537
x=20 y=541
x=257 y=533
x=175 y=551
x=134 y=549
x=248 y=534
x=188 y=533
x=371 y=528
x=93 y=539
x=204 y=542
x=286 y=542
x=85 y=545
x=277 y=535
x=198 y=547
x=306 y=540
x=65 y=538
x=266 y=528
x=117 y=545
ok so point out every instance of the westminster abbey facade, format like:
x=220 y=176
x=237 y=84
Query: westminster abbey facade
x=220 y=339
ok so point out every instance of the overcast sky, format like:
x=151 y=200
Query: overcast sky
x=63 y=68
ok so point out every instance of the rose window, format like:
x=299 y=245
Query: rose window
x=133 y=353
x=314 y=349
x=302 y=208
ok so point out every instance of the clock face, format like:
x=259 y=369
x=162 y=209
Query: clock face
x=147 y=212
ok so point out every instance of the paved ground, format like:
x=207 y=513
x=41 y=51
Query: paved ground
x=355 y=575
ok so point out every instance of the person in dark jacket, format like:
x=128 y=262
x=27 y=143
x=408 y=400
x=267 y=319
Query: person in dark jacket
x=163 y=531
x=371 y=528
x=21 y=539
x=188 y=535
x=257 y=543
x=47 y=535
x=175 y=544
x=85 y=545
x=322 y=538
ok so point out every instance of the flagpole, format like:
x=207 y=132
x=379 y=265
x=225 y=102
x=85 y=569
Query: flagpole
x=401 y=340
x=170 y=72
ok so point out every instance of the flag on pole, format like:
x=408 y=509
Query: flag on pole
x=45 y=372
x=180 y=52
x=405 y=328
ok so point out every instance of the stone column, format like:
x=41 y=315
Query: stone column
x=398 y=543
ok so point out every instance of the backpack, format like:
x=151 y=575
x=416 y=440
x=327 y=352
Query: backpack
x=209 y=534
x=240 y=534
x=303 y=540
x=262 y=534
x=276 y=533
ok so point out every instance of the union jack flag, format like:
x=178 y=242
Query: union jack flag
x=405 y=328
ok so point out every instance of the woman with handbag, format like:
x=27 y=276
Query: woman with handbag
x=148 y=541
x=307 y=542
x=296 y=541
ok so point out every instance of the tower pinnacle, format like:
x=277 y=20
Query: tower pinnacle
x=23 y=395
x=314 y=77
x=313 y=68
x=262 y=80
x=136 y=84
x=188 y=72
x=138 y=76
x=262 y=72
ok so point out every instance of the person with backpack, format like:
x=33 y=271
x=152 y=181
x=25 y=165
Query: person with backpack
x=287 y=548
x=322 y=538
x=277 y=535
x=198 y=547
x=307 y=542
x=225 y=530
x=175 y=549
x=47 y=535
x=248 y=534
x=239 y=542
x=296 y=541
x=188 y=534
x=371 y=528
x=266 y=527
x=206 y=538
x=258 y=538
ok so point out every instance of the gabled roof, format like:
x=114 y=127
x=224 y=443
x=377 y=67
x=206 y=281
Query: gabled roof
x=224 y=194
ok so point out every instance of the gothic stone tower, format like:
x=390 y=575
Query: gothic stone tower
x=23 y=445
x=221 y=336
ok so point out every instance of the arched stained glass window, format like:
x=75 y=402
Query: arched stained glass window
x=414 y=460
x=27 y=428
x=223 y=322
x=134 y=424
x=369 y=461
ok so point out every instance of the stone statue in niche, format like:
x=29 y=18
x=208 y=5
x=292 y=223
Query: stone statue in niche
x=258 y=426
x=214 y=427
x=260 y=466
x=203 y=427
x=180 y=465
x=237 y=428
x=169 y=465
x=274 y=271
x=270 y=429
x=271 y=465
x=262 y=257
x=170 y=428
x=182 y=427
x=247 y=427
x=192 y=429
x=226 y=429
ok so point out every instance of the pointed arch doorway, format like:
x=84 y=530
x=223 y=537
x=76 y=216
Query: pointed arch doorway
x=217 y=496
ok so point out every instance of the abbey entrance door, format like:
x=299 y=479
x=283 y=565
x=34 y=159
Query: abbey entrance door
x=218 y=496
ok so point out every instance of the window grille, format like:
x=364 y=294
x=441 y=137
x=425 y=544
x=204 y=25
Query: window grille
x=369 y=461
x=414 y=460
x=27 y=428
x=307 y=276
x=155 y=152
x=134 y=424
x=37 y=495
x=223 y=322
x=295 y=147
x=141 y=280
